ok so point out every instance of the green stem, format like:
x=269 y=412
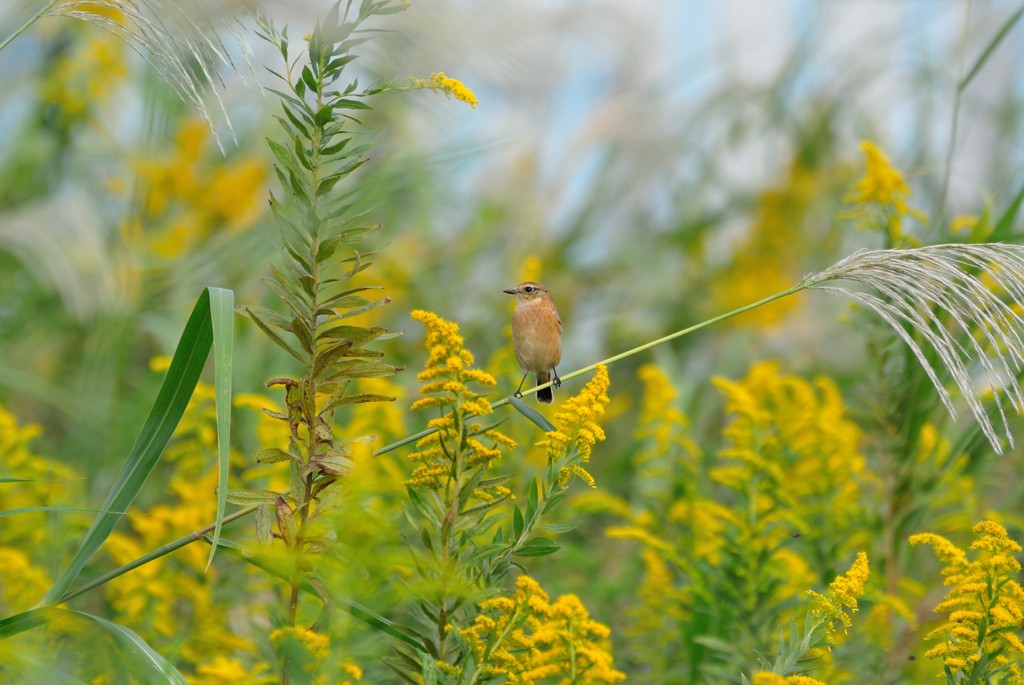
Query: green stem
x=197 y=535
x=960 y=85
x=34 y=19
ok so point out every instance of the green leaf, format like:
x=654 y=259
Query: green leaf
x=264 y=524
x=286 y=159
x=267 y=315
x=351 y=104
x=423 y=506
x=273 y=567
x=285 y=521
x=34 y=480
x=532 y=414
x=273 y=455
x=990 y=48
x=561 y=527
x=275 y=337
x=517 y=521
x=248 y=496
x=332 y=500
x=538 y=547
x=26 y=510
x=222 y=308
x=186 y=366
x=154 y=668
x=1004 y=227
x=359 y=398
x=363 y=309
x=359 y=369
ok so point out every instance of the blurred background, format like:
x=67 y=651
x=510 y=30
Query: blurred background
x=653 y=162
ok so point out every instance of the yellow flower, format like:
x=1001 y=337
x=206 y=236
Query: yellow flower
x=884 y=187
x=314 y=645
x=842 y=595
x=528 y=638
x=446 y=379
x=578 y=430
x=983 y=592
x=449 y=86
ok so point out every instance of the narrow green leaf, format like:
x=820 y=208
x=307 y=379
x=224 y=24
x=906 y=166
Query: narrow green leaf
x=517 y=521
x=264 y=525
x=275 y=337
x=248 y=496
x=285 y=521
x=363 y=309
x=273 y=455
x=1004 y=227
x=532 y=414
x=538 y=547
x=222 y=308
x=26 y=510
x=153 y=667
x=561 y=527
x=267 y=315
x=990 y=48
x=179 y=383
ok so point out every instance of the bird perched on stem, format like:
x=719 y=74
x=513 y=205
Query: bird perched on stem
x=537 y=336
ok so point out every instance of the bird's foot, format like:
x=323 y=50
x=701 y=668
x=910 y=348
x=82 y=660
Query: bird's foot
x=518 y=395
x=558 y=382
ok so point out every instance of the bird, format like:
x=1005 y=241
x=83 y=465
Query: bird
x=536 y=336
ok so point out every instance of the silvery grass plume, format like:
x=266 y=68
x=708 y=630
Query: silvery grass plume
x=178 y=38
x=935 y=291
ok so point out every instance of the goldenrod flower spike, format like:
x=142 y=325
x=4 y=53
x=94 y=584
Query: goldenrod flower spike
x=446 y=378
x=985 y=593
x=883 y=186
x=449 y=86
x=529 y=638
x=578 y=429
x=842 y=595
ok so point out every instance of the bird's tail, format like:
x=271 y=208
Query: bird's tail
x=544 y=395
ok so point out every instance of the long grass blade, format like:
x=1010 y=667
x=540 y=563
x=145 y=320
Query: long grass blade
x=222 y=311
x=1004 y=227
x=991 y=47
x=26 y=510
x=532 y=414
x=145 y=660
x=352 y=607
x=178 y=386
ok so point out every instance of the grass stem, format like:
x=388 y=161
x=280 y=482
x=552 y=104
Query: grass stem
x=46 y=8
x=198 y=535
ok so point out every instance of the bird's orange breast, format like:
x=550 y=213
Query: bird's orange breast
x=537 y=337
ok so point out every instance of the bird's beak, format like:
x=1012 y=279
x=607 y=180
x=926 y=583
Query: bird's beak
x=510 y=292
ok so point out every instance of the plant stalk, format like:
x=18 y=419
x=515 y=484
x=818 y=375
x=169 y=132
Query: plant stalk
x=198 y=535
x=46 y=8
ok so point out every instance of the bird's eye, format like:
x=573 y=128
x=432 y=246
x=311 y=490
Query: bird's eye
x=529 y=288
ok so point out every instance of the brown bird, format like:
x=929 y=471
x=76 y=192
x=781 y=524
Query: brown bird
x=536 y=336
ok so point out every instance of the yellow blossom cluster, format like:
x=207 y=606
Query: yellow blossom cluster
x=985 y=603
x=769 y=678
x=796 y=437
x=83 y=81
x=447 y=373
x=529 y=638
x=23 y=579
x=449 y=86
x=578 y=430
x=842 y=596
x=192 y=192
x=883 y=186
x=313 y=647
